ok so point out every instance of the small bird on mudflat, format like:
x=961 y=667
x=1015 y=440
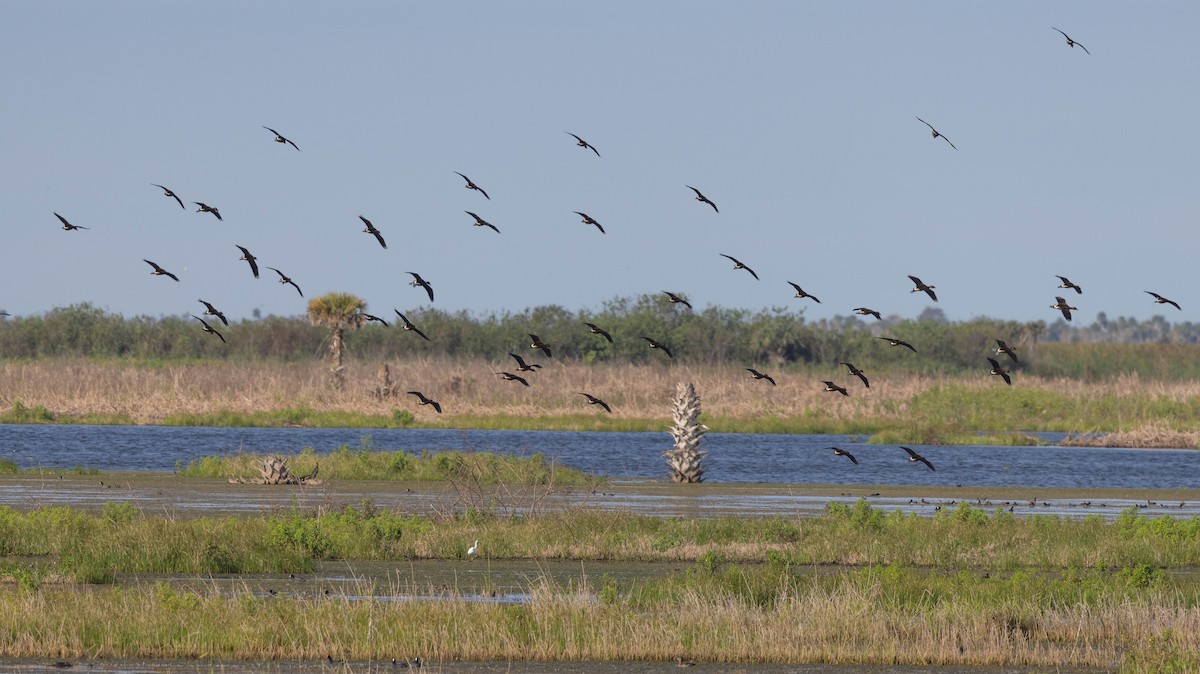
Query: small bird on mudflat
x=936 y=133
x=210 y=329
x=423 y=400
x=167 y=192
x=280 y=139
x=756 y=375
x=159 y=271
x=583 y=143
x=738 y=265
x=472 y=186
x=919 y=286
x=913 y=456
x=800 y=294
x=409 y=327
x=596 y=401
x=283 y=278
x=837 y=451
x=701 y=198
x=831 y=387
x=373 y=231
x=421 y=283
x=997 y=370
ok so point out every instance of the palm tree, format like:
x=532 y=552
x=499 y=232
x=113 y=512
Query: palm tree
x=338 y=312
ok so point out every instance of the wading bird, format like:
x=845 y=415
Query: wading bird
x=583 y=143
x=857 y=373
x=800 y=294
x=936 y=133
x=863 y=311
x=998 y=371
x=1066 y=283
x=68 y=226
x=409 y=327
x=159 y=271
x=738 y=265
x=372 y=231
x=701 y=198
x=676 y=299
x=284 y=279
x=472 y=186
x=897 y=342
x=596 y=401
x=250 y=259
x=1159 y=299
x=913 y=456
x=1001 y=347
x=422 y=283
x=480 y=222
x=831 y=387
x=659 y=345
x=921 y=287
x=210 y=310
x=280 y=139
x=1061 y=305
x=508 y=376
x=167 y=192
x=209 y=329
x=205 y=208
x=522 y=366
x=589 y=220
x=756 y=375
x=1071 y=43
x=422 y=400
x=537 y=343
x=473 y=549
x=597 y=330
x=837 y=451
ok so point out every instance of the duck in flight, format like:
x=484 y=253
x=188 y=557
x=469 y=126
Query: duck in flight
x=284 y=279
x=922 y=287
x=280 y=139
x=372 y=231
x=1071 y=43
x=167 y=192
x=522 y=366
x=897 y=342
x=863 y=311
x=250 y=259
x=831 y=387
x=936 y=133
x=913 y=456
x=409 y=327
x=701 y=198
x=583 y=143
x=800 y=294
x=659 y=345
x=837 y=451
x=508 y=376
x=210 y=310
x=210 y=329
x=480 y=222
x=68 y=227
x=423 y=400
x=999 y=372
x=596 y=401
x=159 y=271
x=597 y=330
x=756 y=375
x=1066 y=283
x=1159 y=299
x=472 y=186
x=737 y=264
x=857 y=373
x=205 y=208
x=368 y=318
x=422 y=283
x=537 y=343
x=1061 y=305
x=589 y=220
x=677 y=299
x=1001 y=347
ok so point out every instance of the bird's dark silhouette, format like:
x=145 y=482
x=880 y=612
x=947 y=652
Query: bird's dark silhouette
x=283 y=278
x=537 y=343
x=1000 y=372
x=596 y=401
x=1061 y=305
x=831 y=387
x=508 y=376
x=863 y=311
x=423 y=400
x=68 y=227
x=838 y=451
x=737 y=264
x=756 y=375
x=800 y=294
x=1066 y=283
x=210 y=310
x=1159 y=299
x=409 y=327
x=522 y=366
x=597 y=330
x=677 y=299
x=898 y=342
x=1001 y=347
x=210 y=329
x=701 y=198
x=205 y=208
x=168 y=192
x=250 y=260
x=373 y=319
x=422 y=283
x=936 y=133
x=919 y=287
x=589 y=220
x=659 y=345
x=480 y=222
x=472 y=186
x=1071 y=43
x=857 y=373
x=913 y=456
x=159 y=271
x=373 y=231
x=280 y=139
x=583 y=143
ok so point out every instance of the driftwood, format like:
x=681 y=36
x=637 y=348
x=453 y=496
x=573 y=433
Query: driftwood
x=274 y=470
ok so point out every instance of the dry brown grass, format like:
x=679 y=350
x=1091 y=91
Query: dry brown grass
x=1146 y=437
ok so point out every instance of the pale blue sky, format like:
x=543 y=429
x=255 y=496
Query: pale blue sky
x=796 y=118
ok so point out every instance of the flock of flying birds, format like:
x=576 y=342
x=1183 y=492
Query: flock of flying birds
x=526 y=368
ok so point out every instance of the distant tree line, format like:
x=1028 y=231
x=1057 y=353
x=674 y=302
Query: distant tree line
x=770 y=338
